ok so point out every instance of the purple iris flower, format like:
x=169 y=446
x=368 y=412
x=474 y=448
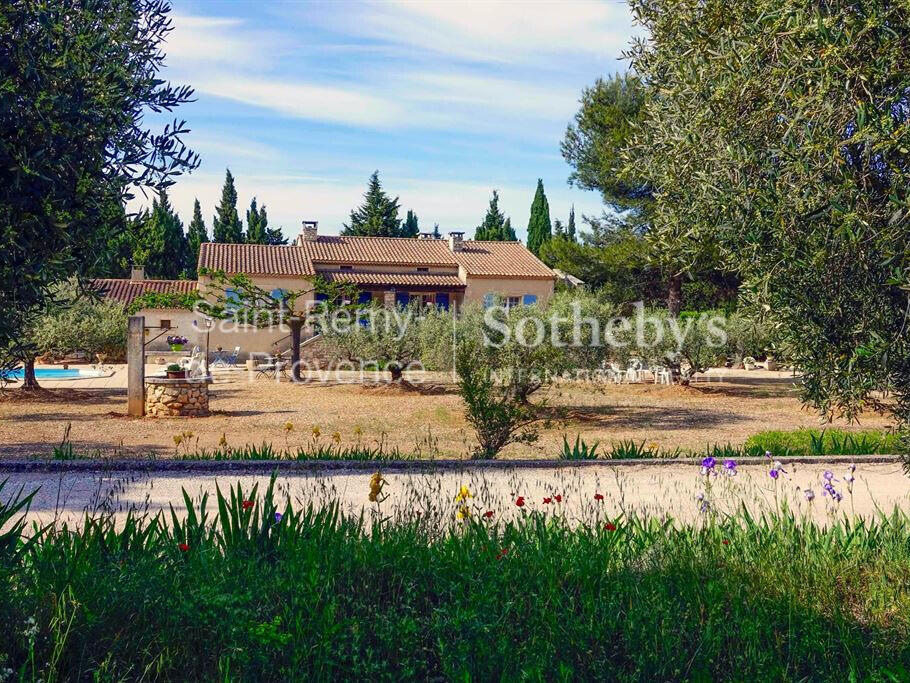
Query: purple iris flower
x=277 y=517
x=810 y=495
x=828 y=475
x=708 y=463
x=774 y=474
x=730 y=466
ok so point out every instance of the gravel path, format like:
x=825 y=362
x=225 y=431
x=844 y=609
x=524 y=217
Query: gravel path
x=669 y=490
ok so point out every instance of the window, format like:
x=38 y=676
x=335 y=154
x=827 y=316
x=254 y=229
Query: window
x=232 y=299
x=512 y=301
x=278 y=294
x=529 y=299
x=164 y=324
x=442 y=300
x=426 y=299
x=489 y=299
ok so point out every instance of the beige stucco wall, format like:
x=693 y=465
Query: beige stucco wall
x=478 y=287
x=228 y=334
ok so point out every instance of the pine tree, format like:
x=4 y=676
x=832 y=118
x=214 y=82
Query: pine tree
x=226 y=225
x=195 y=236
x=255 y=230
x=558 y=230
x=410 y=228
x=377 y=216
x=539 y=228
x=163 y=248
x=570 y=230
x=495 y=226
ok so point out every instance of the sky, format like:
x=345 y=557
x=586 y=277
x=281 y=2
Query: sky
x=447 y=100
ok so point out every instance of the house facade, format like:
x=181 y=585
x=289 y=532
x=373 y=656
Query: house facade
x=448 y=273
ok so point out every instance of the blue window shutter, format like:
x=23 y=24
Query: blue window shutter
x=489 y=299
x=364 y=297
x=320 y=296
x=277 y=294
x=442 y=300
x=529 y=299
x=401 y=299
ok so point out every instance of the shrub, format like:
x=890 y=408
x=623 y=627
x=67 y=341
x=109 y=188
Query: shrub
x=80 y=324
x=498 y=415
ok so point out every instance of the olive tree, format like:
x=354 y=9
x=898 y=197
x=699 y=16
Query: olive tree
x=76 y=83
x=781 y=128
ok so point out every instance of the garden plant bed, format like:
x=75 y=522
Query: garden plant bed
x=525 y=592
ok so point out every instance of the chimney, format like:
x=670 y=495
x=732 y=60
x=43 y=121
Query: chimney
x=456 y=241
x=309 y=232
x=426 y=236
x=137 y=273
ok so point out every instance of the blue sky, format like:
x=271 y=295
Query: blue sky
x=449 y=100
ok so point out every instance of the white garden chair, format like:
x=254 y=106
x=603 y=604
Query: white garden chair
x=662 y=375
x=635 y=372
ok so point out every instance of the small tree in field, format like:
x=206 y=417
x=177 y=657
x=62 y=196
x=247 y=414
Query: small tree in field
x=498 y=416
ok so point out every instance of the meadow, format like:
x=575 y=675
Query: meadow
x=248 y=585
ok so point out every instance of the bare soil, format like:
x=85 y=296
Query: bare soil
x=426 y=418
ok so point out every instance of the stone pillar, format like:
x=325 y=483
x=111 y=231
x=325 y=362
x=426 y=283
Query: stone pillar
x=135 y=366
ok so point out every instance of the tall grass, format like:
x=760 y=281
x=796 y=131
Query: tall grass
x=245 y=590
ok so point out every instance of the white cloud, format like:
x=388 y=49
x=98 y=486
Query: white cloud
x=315 y=102
x=502 y=30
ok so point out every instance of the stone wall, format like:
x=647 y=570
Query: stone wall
x=177 y=397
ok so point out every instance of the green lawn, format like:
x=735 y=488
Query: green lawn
x=313 y=596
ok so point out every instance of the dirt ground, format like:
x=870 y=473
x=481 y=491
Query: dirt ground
x=729 y=408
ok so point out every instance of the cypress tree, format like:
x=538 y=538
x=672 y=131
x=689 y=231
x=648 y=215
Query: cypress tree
x=570 y=230
x=195 y=236
x=539 y=228
x=558 y=230
x=377 y=216
x=226 y=226
x=255 y=230
x=495 y=226
x=163 y=245
x=410 y=227
x=272 y=235
x=436 y=233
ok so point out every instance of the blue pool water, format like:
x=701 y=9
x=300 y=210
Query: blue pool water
x=47 y=373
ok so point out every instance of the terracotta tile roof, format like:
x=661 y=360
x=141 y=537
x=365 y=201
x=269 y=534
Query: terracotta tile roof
x=255 y=259
x=124 y=290
x=394 y=279
x=501 y=259
x=482 y=259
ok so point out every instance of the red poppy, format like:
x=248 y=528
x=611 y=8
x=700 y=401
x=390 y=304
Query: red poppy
x=502 y=553
x=247 y=504
x=609 y=526
x=725 y=542
x=558 y=498
x=598 y=496
x=184 y=547
x=488 y=514
x=547 y=501
x=520 y=501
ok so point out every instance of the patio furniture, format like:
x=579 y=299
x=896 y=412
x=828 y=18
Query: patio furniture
x=275 y=367
x=616 y=373
x=662 y=375
x=185 y=361
x=635 y=372
x=224 y=360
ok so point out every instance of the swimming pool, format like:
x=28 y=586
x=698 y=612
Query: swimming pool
x=60 y=373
